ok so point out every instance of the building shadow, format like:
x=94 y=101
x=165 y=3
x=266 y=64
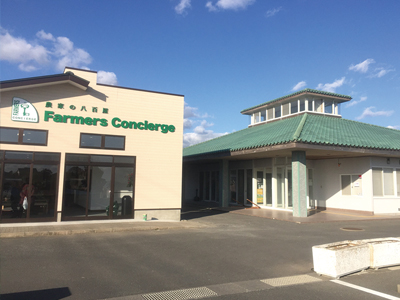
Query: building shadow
x=196 y=210
x=48 y=294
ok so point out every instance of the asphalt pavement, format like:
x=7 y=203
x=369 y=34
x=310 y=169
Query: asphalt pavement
x=212 y=254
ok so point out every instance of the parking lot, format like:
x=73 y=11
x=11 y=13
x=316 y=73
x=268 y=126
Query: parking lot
x=223 y=255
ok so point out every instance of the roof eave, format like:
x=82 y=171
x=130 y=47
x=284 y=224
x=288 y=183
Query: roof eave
x=25 y=83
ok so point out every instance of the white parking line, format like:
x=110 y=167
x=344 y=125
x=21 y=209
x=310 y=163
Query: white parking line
x=386 y=296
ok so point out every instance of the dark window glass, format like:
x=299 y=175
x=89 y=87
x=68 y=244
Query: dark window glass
x=9 y=135
x=277 y=111
x=90 y=140
x=30 y=137
x=34 y=137
x=115 y=142
x=101 y=158
x=294 y=107
x=124 y=159
x=18 y=155
x=77 y=158
x=302 y=105
x=47 y=156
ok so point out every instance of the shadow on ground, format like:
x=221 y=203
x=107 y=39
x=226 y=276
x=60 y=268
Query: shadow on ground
x=48 y=294
x=195 y=211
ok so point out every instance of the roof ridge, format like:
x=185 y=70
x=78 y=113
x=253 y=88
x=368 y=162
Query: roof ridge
x=299 y=129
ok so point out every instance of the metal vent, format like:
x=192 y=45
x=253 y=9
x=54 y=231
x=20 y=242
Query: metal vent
x=195 y=293
x=290 y=280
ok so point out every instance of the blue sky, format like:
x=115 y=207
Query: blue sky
x=223 y=55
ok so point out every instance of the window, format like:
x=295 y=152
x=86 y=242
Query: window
x=318 y=105
x=328 y=106
x=101 y=141
x=351 y=185
x=310 y=105
x=263 y=115
x=285 y=110
x=302 y=105
x=277 y=111
x=23 y=136
x=270 y=113
x=383 y=181
x=99 y=186
x=256 y=117
x=294 y=107
x=398 y=182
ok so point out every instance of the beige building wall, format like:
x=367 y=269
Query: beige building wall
x=158 y=155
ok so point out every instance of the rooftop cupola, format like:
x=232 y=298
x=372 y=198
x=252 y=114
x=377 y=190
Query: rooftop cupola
x=304 y=101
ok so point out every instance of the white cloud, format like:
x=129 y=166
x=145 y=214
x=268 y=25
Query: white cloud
x=68 y=55
x=182 y=6
x=362 y=67
x=299 y=86
x=29 y=56
x=331 y=87
x=107 y=78
x=354 y=102
x=45 y=36
x=187 y=123
x=380 y=72
x=190 y=112
x=273 y=12
x=201 y=132
x=394 y=127
x=229 y=4
x=368 y=112
x=58 y=52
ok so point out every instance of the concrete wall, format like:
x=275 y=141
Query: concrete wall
x=327 y=183
x=158 y=155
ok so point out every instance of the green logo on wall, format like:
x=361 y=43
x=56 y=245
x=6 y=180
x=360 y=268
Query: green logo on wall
x=23 y=111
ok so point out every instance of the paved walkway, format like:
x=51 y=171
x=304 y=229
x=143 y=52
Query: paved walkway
x=315 y=216
x=8 y=230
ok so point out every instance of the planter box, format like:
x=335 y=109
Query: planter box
x=384 y=252
x=341 y=258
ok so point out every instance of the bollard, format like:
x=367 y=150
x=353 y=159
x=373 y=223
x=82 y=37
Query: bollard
x=398 y=288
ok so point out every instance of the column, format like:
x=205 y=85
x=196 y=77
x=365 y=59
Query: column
x=299 y=182
x=224 y=179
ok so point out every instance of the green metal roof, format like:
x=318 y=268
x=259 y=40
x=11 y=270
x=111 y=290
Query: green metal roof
x=306 y=128
x=298 y=93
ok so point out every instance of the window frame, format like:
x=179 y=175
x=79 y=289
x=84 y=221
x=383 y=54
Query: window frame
x=102 y=143
x=21 y=136
x=352 y=188
x=394 y=174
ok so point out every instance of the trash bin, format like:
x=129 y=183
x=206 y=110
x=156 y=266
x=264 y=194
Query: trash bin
x=126 y=205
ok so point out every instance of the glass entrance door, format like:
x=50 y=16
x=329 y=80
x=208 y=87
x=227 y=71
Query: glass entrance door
x=260 y=188
x=289 y=200
x=280 y=187
x=98 y=187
